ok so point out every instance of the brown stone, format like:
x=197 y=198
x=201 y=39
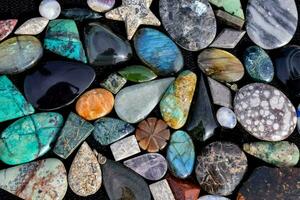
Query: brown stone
x=94 y=104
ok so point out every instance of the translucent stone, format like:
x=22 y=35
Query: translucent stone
x=50 y=9
x=226 y=118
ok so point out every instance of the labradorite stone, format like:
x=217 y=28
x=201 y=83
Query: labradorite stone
x=62 y=37
x=19 y=54
x=29 y=138
x=12 y=102
x=158 y=51
x=137 y=73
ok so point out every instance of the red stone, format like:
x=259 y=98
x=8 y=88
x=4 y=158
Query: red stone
x=6 y=27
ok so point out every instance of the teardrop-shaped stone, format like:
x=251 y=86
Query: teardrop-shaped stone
x=258 y=64
x=191 y=24
x=33 y=26
x=158 y=51
x=220 y=65
x=181 y=154
x=151 y=166
x=109 y=130
x=62 y=37
x=176 y=102
x=134 y=103
x=44 y=179
x=6 y=27
x=122 y=183
x=280 y=154
x=85 y=176
x=57 y=84
x=19 y=54
x=104 y=47
x=137 y=73
x=213 y=197
x=29 y=138
x=80 y=14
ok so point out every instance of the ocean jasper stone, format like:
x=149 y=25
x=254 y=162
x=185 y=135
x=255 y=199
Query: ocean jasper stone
x=258 y=64
x=19 y=54
x=176 y=102
x=50 y=9
x=158 y=51
x=6 y=27
x=271 y=24
x=226 y=118
x=57 y=84
x=181 y=154
x=29 y=138
x=265 y=112
x=137 y=73
x=221 y=166
x=192 y=24
x=12 y=102
x=44 y=179
x=104 y=47
x=80 y=14
x=101 y=5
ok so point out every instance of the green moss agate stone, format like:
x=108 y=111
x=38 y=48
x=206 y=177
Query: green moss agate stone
x=137 y=73
x=12 y=103
x=233 y=7
x=62 y=37
x=29 y=138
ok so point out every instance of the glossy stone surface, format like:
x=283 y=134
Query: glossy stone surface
x=152 y=134
x=37 y=131
x=113 y=83
x=122 y=183
x=19 y=54
x=44 y=179
x=229 y=19
x=125 y=148
x=80 y=14
x=85 y=176
x=191 y=24
x=221 y=166
x=50 y=9
x=181 y=154
x=151 y=166
x=101 y=5
x=145 y=95
x=161 y=190
x=94 y=104
x=271 y=24
x=104 y=47
x=74 y=132
x=265 y=112
x=33 y=26
x=62 y=38
x=221 y=95
x=233 y=7
x=258 y=64
x=6 y=27
x=137 y=73
x=57 y=84
x=228 y=38
x=108 y=130
x=226 y=118
x=176 y=102
x=220 y=65
x=12 y=103
x=158 y=51
x=271 y=184
x=280 y=154
x=213 y=197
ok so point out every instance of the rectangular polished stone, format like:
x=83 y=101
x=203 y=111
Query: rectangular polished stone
x=221 y=94
x=114 y=83
x=228 y=38
x=125 y=148
x=230 y=20
x=161 y=190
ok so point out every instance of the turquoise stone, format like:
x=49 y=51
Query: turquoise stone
x=62 y=37
x=109 y=130
x=29 y=138
x=12 y=103
x=158 y=51
x=258 y=64
x=181 y=154
x=74 y=132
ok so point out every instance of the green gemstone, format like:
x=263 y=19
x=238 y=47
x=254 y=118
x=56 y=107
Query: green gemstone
x=62 y=37
x=114 y=83
x=12 y=103
x=137 y=73
x=233 y=7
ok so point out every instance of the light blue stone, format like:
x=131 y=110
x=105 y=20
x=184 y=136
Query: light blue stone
x=181 y=154
x=158 y=51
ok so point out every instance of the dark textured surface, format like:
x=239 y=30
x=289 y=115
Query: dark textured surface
x=26 y=9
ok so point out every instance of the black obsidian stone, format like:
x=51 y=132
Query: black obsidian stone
x=57 y=84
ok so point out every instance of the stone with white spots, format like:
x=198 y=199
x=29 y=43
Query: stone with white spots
x=226 y=118
x=49 y=9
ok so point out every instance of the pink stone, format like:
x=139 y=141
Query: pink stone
x=6 y=27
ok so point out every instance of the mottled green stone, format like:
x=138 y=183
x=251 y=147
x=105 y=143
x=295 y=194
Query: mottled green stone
x=29 y=138
x=12 y=103
x=114 y=83
x=62 y=37
x=233 y=7
x=137 y=73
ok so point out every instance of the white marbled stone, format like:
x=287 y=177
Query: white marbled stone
x=161 y=190
x=49 y=9
x=226 y=118
x=33 y=26
x=125 y=148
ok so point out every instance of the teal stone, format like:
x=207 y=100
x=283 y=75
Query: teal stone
x=12 y=103
x=109 y=130
x=29 y=138
x=181 y=154
x=74 y=132
x=62 y=37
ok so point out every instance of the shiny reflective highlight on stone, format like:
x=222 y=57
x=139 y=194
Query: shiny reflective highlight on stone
x=125 y=148
x=33 y=26
x=80 y=14
x=228 y=38
x=101 y=5
x=114 y=83
x=226 y=118
x=137 y=73
x=49 y=9
x=161 y=190
x=6 y=27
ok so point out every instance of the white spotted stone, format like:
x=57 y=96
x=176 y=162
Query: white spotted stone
x=50 y=9
x=226 y=118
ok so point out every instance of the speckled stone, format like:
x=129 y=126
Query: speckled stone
x=230 y=20
x=213 y=197
x=228 y=38
x=49 y=9
x=80 y=14
x=265 y=112
x=233 y=7
x=125 y=148
x=226 y=118
x=33 y=26
x=192 y=24
x=221 y=166
x=101 y=5
x=161 y=190
x=113 y=83
x=44 y=179
x=6 y=27
x=271 y=24
x=221 y=95
x=137 y=73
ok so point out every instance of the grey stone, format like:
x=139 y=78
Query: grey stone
x=228 y=38
x=221 y=95
x=161 y=190
x=125 y=148
x=230 y=20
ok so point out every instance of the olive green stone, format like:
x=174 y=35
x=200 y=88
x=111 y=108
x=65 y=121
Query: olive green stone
x=137 y=73
x=233 y=7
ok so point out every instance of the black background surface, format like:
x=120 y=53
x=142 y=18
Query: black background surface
x=26 y=9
